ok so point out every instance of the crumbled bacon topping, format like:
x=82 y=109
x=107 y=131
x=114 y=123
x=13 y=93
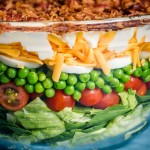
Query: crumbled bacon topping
x=62 y=10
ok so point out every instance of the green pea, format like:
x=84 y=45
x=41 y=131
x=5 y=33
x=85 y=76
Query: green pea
x=120 y=87
x=49 y=93
x=114 y=82
x=47 y=83
x=60 y=85
x=99 y=82
x=80 y=86
x=41 y=76
x=23 y=72
x=69 y=90
x=107 y=89
x=72 y=79
x=145 y=73
x=64 y=76
x=76 y=95
x=108 y=77
x=39 y=87
x=118 y=73
x=84 y=77
x=4 y=79
x=3 y=67
x=147 y=79
x=125 y=78
x=137 y=72
x=90 y=85
x=126 y=68
x=29 y=88
x=129 y=72
x=94 y=75
x=145 y=65
x=20 y=82
x=11 y=73
x=32 y=77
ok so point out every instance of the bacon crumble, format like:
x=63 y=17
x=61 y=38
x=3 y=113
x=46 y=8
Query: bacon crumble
x=67 y=10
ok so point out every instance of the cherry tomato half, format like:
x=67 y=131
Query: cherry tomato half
x=148 y=85
x=134 y=83
x=90 y=97
x=60 y=101
x=108 y=100
x=142 y=90
x=13 y=97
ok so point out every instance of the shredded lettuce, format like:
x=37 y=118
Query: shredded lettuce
x=117 y=126
x=128 y=98
x=80 y=125
x=40 y=120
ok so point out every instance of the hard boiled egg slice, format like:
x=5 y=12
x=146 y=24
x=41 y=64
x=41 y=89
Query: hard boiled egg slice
x=119 y=62
x=17 y=63
x=74 y=69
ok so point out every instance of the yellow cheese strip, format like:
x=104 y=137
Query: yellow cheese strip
x=80 y=55
x=7 y=46
x=10 y=52
x=90 y=57
x=135 y=57
x=134 y=39
x=102 y=62
x=105 y=40
x=146 y=47
x=29 y=60
x=56 y=40
x=109 y=55
x=58 y=67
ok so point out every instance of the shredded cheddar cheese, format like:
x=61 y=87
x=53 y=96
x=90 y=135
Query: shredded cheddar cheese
x=81 y=54
x=58 y=67
x=16 y=51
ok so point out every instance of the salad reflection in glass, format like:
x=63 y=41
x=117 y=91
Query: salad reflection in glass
x=89 y=89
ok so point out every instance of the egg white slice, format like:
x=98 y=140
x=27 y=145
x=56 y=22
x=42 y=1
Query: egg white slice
x=92 y=37
x=16 y=63
x=31 y=41
x=119 y=62
x=74 y=69
x=121 y=40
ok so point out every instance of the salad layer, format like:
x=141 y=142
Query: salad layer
x=86 y=90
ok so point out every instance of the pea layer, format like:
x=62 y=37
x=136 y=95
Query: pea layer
x=40 y=80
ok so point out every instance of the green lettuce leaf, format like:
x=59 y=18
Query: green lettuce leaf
x=128 y=98
x=73 y=120
x=120 y=124
x=40 y=120
x=107 y=115
x=144 y=98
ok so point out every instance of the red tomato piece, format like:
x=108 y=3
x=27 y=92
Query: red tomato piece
x=134 y=83
x=148 y=85
x=34 y=95
x=13 y=97
x=142 y=90
x=108 y=100
x=90 y=97
x=60 y=101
